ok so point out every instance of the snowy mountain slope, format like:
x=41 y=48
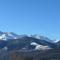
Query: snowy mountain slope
x=40 y=47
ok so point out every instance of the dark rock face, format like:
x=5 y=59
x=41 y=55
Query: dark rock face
x=58 y=44
x=2 y=44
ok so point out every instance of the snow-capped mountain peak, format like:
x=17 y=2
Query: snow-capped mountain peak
x=8 y=35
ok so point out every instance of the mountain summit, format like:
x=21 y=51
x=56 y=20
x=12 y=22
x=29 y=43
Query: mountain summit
x=8 y=35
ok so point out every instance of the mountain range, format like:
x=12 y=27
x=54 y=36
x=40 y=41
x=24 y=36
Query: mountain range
x=28 y=47
x=13 y=41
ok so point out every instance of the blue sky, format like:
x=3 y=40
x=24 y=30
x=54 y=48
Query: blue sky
x=31 y=17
